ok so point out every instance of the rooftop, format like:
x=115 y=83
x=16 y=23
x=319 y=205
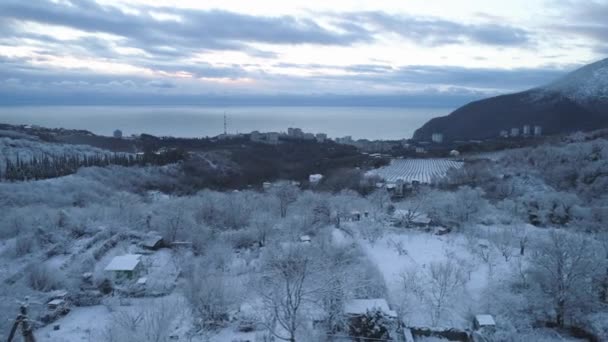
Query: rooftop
x=362 y=306
x=126 y=262
x=484 y=320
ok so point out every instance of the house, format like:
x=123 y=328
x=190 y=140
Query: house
x=485 y=322
x=355 y=215
x=124 y=267
x=305 y=238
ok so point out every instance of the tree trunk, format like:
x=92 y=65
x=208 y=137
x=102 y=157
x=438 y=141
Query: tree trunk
x=561 y=308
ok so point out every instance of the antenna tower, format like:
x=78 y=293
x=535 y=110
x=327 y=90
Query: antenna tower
x=225 y=125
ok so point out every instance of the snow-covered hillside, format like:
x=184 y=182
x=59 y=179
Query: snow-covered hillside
x=587 y=84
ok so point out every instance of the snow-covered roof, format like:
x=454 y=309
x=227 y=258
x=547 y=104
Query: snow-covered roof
x=315 y=177
x=484 y=320
x=305 y=238
x=126 y=262
x=56 y=302
x=362 y=306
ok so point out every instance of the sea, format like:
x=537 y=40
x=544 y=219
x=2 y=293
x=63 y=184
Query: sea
x=200 y=121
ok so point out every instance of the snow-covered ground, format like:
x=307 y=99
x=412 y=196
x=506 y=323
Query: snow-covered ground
x=418 y=250
x=421 y=170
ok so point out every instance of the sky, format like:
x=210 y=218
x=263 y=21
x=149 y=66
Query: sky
x=381 y=52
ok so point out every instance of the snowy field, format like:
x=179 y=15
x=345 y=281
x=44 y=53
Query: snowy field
x=421 y=170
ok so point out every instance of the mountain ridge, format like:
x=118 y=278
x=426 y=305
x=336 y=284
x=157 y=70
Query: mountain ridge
x=576 y=101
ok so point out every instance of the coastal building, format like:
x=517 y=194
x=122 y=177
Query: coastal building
x=266 y=138
x=504 y=133
x=118 y=134
x=272 y=138
x=437 y=138
x=538 y=131
x=295 y=133
x=347 y=140
x=308 y=136
x=526 y=130
x=321 y=137
x=514 y=132
x=255 y=136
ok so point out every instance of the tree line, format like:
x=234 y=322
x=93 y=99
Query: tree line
x=45 y=167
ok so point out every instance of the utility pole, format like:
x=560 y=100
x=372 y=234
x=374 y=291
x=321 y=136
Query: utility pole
x=26 y=328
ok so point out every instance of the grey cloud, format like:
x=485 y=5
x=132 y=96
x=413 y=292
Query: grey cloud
x=435 y=31
x=197 y=29
x=585 y=18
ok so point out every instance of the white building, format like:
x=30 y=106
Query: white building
x=272 y=138
x=315 y=179
x=514 y=132
x=347 y=140
x=538 y=131
x=454 y=153
x=295 y=132
x=527 y=130
x=321 y=137
x=504 y=133
x=437 y=138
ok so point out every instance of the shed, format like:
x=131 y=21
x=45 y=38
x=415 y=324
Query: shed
x=55 y=303
x=153 y=242
x=124 y=266
x=315 y=178
x=484 y=321
x=305 y=238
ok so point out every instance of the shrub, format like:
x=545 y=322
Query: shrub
x=41 y=278
x=24 y=244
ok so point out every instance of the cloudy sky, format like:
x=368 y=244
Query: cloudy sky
x=299 y=51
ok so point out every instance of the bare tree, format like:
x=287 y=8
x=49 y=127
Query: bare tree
x=290 y=282
x=445 y=280
x=150 y=323
x=414 y=207
x=564 y=266
x=603 y=242
x=504 y=240
x=286 y=193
